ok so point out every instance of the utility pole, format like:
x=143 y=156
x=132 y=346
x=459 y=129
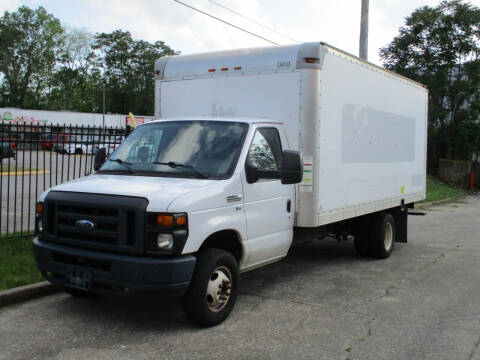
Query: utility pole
x=364 y=30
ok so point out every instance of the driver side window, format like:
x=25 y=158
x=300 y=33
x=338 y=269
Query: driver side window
x=265 y=152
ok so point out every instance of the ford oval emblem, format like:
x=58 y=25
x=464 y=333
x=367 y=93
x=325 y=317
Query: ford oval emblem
x=85 y=225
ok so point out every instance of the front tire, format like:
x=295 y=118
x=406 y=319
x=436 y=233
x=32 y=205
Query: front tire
x=213 y=289
x=382 y=235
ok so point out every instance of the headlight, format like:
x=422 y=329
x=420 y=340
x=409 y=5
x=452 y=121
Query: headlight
x=165 y=241
x=166 y=233
x=39 y=225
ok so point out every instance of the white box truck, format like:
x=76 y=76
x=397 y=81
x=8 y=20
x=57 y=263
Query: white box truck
x=255 y=150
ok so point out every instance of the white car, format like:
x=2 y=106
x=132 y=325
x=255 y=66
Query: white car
x=79 y=148
x=110 y=144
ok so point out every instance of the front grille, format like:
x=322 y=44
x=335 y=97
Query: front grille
x=118 y=221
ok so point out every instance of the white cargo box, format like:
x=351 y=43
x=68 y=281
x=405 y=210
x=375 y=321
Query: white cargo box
x=361 y=129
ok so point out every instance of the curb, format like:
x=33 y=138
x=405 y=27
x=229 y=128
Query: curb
x=27 y=292
x=438 y=202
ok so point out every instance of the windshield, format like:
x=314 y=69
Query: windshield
x=199 y=149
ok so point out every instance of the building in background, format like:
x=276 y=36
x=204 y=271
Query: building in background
x=16 y=116
x=52 y=130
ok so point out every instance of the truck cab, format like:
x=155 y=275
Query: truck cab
x=182 y=205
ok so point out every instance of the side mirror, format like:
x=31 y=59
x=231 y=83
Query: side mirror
x=100 y=158
x=292 y=168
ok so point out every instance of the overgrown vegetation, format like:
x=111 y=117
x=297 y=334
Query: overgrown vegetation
x=17 y=265
x=440 y=47
x=437 y=190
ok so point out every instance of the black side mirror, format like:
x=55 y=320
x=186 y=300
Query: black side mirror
x=292 y=168
x=100 y=158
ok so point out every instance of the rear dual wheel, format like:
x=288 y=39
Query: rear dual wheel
x=375 y=236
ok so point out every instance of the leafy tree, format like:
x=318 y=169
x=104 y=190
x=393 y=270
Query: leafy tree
x=74 y=90
x=440 y=47
x=29 y=41
x=127 y=69
x=43 y=66
x=74 y=84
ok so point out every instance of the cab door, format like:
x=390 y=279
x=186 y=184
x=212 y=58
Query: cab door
x=268 y=204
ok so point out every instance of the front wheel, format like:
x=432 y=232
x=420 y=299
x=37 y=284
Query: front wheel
x=213 y=290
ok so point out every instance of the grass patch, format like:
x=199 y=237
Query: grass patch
x=17 y=265
x=437 y=190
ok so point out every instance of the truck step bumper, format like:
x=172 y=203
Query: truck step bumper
x=112 y=272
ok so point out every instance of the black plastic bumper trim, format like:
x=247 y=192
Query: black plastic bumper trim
x=113 y=271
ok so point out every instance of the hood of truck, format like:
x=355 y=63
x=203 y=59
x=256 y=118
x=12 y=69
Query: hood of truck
x=159 y=191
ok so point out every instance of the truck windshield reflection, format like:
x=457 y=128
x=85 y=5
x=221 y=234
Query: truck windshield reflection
x=199 y=149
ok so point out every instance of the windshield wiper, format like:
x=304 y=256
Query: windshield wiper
x=174 y=164
x=127 y=164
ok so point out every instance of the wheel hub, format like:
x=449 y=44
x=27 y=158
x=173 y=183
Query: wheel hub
x=219 y=288
x=388 y=236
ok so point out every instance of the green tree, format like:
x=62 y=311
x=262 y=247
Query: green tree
x=440 y=47
x=127 y=69
x=29 y=41
x=74 y=84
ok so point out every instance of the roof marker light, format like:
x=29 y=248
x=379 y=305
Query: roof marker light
x=237 y=68
x=311 y=60
x=225 y=69
x=211 y=70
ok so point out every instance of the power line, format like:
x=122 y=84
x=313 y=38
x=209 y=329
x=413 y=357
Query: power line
x=225 y=22
x=253 y=21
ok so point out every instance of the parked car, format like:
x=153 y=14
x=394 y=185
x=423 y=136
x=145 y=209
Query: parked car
x=90 y=144
x=48 y=141
x=79 y=145
x=7 y=149
x=110 y=144
x=55 y=142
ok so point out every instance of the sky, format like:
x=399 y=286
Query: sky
x=336 y=22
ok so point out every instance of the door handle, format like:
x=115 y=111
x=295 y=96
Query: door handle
x=234 y=198
x=289 y=205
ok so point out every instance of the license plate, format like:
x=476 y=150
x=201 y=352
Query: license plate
x=79 y=279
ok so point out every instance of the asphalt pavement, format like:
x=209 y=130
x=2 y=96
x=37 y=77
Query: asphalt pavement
x=321 y=302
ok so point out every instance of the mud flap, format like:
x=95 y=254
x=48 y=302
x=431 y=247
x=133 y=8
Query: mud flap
x=401 y=223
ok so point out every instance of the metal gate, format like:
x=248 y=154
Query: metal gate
x=35 y=158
